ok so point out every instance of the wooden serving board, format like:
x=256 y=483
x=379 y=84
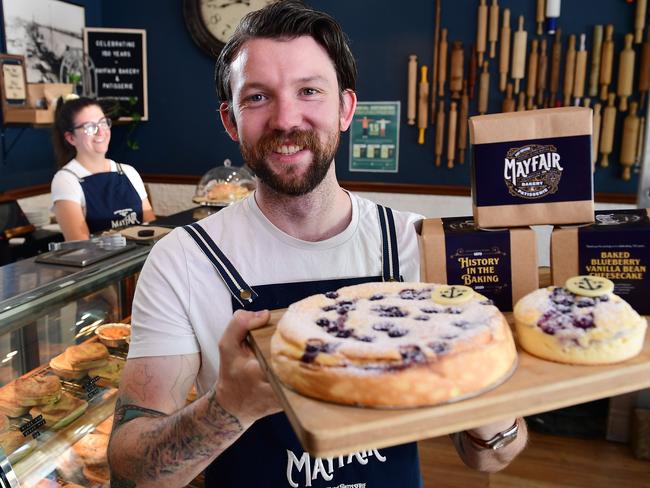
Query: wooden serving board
x=326 y=429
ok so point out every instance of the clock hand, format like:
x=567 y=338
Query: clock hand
x=234 y=2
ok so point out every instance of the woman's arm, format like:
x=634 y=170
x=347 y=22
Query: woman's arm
x=147 y=211
x=71 y=220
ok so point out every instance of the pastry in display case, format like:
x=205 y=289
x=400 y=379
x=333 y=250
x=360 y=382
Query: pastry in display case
x=224 y=185
x=62 y=352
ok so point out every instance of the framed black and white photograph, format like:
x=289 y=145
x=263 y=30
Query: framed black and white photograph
x=43 y=31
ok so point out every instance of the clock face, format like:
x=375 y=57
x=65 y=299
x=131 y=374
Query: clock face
x=221 y=17
x=212 y=22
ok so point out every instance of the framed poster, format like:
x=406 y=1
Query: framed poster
x=374 y=137
x=13 y=81
x=120 y=58
x=42 y=31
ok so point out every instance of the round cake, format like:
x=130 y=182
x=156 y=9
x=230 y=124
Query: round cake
x=393 y=345
x=583 y=322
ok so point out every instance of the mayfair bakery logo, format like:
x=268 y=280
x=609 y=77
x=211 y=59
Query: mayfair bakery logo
x=532 y=171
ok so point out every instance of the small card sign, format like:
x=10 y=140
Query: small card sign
x=13 y=81
x=120 y=58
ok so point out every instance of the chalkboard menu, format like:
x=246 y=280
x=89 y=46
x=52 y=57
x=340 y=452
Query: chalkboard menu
x=120 y=58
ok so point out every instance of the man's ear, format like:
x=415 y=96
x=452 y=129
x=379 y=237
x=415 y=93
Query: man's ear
x=69 y=137
x=348 y=106
x=228 y=121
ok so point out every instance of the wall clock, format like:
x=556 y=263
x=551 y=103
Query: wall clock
x=212 y=22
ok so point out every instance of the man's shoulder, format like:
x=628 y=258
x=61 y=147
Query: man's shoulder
x=365 y=205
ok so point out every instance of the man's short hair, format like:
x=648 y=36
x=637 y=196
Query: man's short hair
x=288 y=19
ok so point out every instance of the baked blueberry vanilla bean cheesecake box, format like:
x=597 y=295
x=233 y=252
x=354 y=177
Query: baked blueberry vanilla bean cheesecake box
x=616 y=246
x=500 y=264
x=532 y=167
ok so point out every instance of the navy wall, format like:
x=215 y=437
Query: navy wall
x=184 y=135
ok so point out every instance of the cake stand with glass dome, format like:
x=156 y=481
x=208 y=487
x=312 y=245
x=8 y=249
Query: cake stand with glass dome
x=224 y=185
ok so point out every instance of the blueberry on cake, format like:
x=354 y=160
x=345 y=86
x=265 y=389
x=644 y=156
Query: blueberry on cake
x=583 y=322
x=393 y=345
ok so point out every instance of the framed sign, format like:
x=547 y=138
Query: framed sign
x=374 y=137
x=120 y=58
x=13 y=81
x=42 y=31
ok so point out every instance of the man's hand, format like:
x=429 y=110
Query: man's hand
x=242 y=388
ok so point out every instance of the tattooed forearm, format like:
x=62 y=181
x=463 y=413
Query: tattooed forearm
x=187 y=439
x=170 y=446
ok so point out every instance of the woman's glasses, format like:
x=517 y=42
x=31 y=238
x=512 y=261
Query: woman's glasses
x=91 y=128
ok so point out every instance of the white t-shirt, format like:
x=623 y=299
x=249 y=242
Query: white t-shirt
x=181 y=305
x=66 y=186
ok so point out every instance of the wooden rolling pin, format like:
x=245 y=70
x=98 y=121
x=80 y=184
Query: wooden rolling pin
x=542 y=73
x=472 y=73
x=639 y=20
x=440 y=131
x=508 y=104
x=581 y=71
x=644 y=70
x=462 y=124
x=423 y=104
x=569 y=69
x=625 y=72
x=442 y=63
x=556 y=58
x=521 y=102
x=493 y=30
x=596 y=135
x=519 y=54
x=481 y=31
x=596 y=53
x=629 y=141
x=531 y=81
x=607 y=132
x=484 y=89
x=606 y=60
x=451 y=135
x=504 y=50
x=640 y=141
x=413 y=75
x=540 y=16
x=434 y=64
x=456 y=67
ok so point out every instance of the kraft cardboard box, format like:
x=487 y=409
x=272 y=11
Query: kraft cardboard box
x=616 y=246
x=532 y=167
x=500 y=264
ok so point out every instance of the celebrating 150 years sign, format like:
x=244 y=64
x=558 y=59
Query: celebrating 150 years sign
x=120 y=57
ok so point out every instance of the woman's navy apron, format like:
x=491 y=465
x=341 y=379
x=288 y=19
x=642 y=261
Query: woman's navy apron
x=268 y=454
x=111 y=200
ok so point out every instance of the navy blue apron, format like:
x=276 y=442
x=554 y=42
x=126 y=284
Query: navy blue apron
x=111 y=200
x=269 y=454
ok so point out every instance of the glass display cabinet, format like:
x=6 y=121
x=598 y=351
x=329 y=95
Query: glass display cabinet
x=49 y=432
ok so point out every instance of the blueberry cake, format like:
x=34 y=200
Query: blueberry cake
x=579 y=326
x=393 y=345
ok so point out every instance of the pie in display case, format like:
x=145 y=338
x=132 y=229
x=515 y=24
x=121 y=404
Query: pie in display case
x=63 y=345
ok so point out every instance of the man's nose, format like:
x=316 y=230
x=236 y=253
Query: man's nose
x=287 y=114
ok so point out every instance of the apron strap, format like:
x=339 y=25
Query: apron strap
x=239 y=289
x=119 y=168
x=73 y=174
x=390 y=255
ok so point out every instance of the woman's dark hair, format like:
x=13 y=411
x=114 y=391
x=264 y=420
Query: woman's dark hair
x=288 y=19
x=64 y=115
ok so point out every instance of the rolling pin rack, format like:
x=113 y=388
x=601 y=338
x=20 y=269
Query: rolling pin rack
x=510 y=56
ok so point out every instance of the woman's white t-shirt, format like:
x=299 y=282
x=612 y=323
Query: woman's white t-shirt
x=65 y=186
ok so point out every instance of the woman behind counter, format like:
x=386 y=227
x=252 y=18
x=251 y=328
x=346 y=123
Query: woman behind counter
x=91 y=193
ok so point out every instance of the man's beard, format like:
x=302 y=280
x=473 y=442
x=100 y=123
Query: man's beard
x=286 y=181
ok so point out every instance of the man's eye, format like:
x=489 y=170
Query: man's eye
x=256 y=98
x=309 y=91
